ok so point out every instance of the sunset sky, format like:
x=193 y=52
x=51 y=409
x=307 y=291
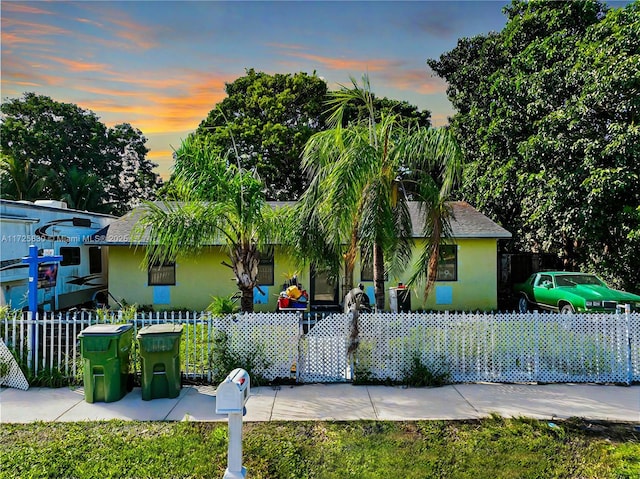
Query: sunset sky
x=162 y=65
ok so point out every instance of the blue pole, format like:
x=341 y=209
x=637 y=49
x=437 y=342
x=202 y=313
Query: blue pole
x=33 y=278
x=33 y=260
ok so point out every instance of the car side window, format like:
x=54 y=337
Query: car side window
x=544 y=280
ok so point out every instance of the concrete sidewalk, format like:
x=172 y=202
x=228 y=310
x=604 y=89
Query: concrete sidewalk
x=338 y=402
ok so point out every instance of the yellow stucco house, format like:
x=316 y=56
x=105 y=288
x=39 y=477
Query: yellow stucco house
x=467 y=276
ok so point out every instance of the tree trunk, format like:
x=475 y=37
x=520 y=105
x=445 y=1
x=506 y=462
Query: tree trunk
x=569 y=260
x=378 y=276
x=245 y=262
x=349 y=264
x=246 y=300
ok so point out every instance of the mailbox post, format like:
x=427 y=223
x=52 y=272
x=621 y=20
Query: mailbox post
x=231 y=397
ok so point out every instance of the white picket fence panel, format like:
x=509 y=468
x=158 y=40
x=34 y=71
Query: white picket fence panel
x=470 y=347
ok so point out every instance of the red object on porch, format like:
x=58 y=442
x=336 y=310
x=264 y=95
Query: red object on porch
x=283 y=302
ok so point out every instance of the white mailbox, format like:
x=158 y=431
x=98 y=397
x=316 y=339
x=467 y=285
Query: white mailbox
x=231 y=397
x=233 y=392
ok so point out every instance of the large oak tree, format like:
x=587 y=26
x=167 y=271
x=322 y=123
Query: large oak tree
x=60 y=151
x=267 y=119
x=548 y=117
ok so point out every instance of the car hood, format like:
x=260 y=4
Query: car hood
x=602 y=293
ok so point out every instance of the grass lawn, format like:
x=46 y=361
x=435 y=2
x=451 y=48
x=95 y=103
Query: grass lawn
x=490 y=448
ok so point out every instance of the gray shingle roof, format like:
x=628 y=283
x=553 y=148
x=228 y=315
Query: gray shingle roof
x=466 y=222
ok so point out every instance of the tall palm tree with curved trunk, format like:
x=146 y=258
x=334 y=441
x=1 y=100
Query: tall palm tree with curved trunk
x=365 y=173
x=216 y=202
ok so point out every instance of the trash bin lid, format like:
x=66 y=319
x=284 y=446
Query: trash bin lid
x=166 y=328
x=105 y=329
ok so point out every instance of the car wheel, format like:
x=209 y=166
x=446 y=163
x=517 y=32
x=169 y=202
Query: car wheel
x=567 y=309
x=523 y=304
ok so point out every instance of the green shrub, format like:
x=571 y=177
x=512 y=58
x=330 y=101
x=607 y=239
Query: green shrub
x=223 y=305
x=223 y=360
x=420 y=375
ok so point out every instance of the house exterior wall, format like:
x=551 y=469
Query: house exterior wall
x=198 y=280
x=476 y=287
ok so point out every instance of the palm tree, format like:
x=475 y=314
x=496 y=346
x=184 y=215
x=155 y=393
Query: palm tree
x=19 y=180
x=215 y=202
x=365 y=173
x=81 y=191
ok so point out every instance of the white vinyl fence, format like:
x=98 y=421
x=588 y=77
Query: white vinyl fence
x=469 y=347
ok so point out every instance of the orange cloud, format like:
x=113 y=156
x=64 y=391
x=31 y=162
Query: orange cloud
x=31 y=28
x=117 y=23
x=79 y=66
x=349 y=64
x=10 y=38
x=161 y=110
x=116 y=92
x=16 y=7
x=392 y=72
x=25 y=83
x=441 y=119
x=137 y=38
x=156 y=81
x=16 y=69
x=420 y=81
x=154 y=154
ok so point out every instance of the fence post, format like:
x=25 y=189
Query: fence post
x=627 y=323
x=536 y=348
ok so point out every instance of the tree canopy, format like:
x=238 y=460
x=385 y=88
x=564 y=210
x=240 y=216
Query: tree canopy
x=267 y=119
x=60 y=151
x=548 y=117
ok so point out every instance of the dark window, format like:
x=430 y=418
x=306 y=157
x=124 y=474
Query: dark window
x=265 y=269
x=448 y=264
x=162 y=274
x=366 y=268
x=70 y=256
x=95 y=260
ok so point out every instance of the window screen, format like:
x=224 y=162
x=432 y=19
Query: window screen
x=162 y=274
x=265 y=269
x=448 y=264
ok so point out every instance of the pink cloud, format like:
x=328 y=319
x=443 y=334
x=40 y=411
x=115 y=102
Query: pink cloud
x=417 y=80
x=16 y=7
x=33 y=28
x=132 y=34
x=80 y=66
x=349 y=64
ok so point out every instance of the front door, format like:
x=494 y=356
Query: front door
x=323 y=291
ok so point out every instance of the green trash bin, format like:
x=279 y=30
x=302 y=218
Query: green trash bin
x=105 y=353
x=160 y=360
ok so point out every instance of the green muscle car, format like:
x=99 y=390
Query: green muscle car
x=569 y=292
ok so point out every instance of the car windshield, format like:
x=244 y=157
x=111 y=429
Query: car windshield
x=575 y=279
